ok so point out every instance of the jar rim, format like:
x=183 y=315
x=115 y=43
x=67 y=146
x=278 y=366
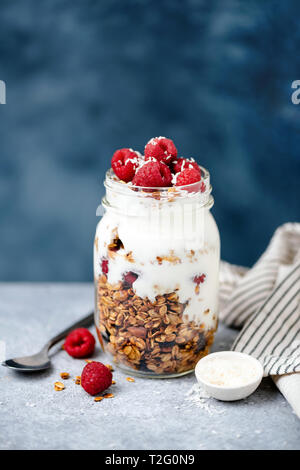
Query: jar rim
x=200 y=188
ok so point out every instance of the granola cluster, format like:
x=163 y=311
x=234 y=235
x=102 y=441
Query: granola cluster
x=153 y=337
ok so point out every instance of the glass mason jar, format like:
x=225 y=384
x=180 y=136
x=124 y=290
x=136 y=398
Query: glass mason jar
x=156 y=271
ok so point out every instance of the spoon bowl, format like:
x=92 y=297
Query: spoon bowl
x=39 y=361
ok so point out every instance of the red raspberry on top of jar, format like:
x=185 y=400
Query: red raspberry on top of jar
x=159 y=168
x=181 y=164
x=124 y=163
x=162 y=149
x=188 y=176
x=153 y=174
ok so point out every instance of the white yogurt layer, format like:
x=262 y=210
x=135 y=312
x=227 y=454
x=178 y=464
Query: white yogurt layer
x=170 y=243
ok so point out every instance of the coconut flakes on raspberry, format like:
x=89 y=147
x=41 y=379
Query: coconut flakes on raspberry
x=188 y=176
x=153 y=174
x=124 y=163
x=162 y=149
x=181 y=164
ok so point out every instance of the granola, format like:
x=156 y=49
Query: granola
x=58 y=386
x=98 y=398
x=64 y=375
x=153 y=337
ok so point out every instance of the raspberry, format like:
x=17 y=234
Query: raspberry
x=188 y=176
x=199 y=279
x=153 y=174
x=104 y=266
x=129 y=278
x=95 y=378
x=161 y=149
x=124 y=163
x=181 y=164
x=80 y=343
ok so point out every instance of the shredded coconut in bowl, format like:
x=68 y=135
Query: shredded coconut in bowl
x=227 y=371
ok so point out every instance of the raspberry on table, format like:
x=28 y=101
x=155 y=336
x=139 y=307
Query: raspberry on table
x=162 y=149
x=80 y=343
x=124 y=163
x=96 y=378
x=181 y=164
x=188 y=176
x=153 y=174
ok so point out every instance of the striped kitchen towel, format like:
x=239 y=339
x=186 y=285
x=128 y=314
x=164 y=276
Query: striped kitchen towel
x=264 y=302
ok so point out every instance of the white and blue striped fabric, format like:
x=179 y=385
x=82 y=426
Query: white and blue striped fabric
x=264 y=302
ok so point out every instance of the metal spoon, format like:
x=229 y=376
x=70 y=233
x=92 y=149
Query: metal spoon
x=41 y=361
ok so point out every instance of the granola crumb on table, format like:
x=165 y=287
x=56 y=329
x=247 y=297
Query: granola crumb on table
x=64 y=375
x=98 y=398
x=58 y=386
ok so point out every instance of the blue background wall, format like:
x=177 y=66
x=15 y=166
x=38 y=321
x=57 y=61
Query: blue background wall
x=86 y=77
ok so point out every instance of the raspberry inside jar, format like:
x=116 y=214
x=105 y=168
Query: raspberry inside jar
x=156 y=268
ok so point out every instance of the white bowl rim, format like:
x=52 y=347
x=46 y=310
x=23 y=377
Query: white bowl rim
x=246 y=357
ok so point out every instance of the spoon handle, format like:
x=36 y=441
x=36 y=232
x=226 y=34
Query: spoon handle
x=84 y=322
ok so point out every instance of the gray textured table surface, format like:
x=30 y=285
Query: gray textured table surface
x=146 y=414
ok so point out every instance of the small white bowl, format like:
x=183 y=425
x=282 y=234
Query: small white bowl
x=231 y=393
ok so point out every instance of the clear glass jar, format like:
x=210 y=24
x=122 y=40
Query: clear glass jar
x=156 y=271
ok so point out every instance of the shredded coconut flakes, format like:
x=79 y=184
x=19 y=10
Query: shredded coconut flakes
x=200 y=398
